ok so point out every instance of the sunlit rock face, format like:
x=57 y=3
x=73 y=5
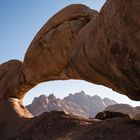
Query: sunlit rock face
x=48 y=58
x=109 y=48
x=53 y=46
x=80 y=43
x=100 y=48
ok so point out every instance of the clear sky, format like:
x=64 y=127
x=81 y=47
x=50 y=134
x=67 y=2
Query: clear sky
x=20 y=20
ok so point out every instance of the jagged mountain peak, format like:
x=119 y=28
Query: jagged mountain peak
x=78 y=103
x=108 y=102
x=96 y=97
x=51 y=97
x=39 y=100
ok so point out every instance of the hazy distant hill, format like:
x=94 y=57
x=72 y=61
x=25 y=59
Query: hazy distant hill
x=78 y=104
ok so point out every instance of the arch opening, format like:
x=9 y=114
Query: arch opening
x=39 y=99
x=72 y=86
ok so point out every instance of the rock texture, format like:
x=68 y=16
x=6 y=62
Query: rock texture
x=108 y=48
x=110 y=114
x=60 y=126
x=53 y=46
x=79 y=43
x=82 y=44
x=123 y=108
x=78 y=104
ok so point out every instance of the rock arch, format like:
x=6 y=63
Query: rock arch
x=78 y=43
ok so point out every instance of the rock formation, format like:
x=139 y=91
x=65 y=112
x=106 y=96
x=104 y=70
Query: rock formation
x=78 y=104
x=123 y=108
x=110 y=114
x=60 y=126
x=77 y=43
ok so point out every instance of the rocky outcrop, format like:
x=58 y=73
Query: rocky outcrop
x=90 y=46
x=102 y=48
x=58 y=125
x=82 y=44
x=108 y=48
x=110 y=114
x=43 y=62
x=53 y=46
x=123 y=108
x=78 y=104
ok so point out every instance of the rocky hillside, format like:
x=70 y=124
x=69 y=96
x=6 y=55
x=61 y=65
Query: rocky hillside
x=77 y=104
x=60 y=126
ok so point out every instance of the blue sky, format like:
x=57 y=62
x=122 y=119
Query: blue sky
x=20 y=20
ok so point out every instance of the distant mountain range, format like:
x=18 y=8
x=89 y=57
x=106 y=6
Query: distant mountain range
x=78 y=104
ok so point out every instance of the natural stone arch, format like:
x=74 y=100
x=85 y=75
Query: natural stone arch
x=78 y=43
